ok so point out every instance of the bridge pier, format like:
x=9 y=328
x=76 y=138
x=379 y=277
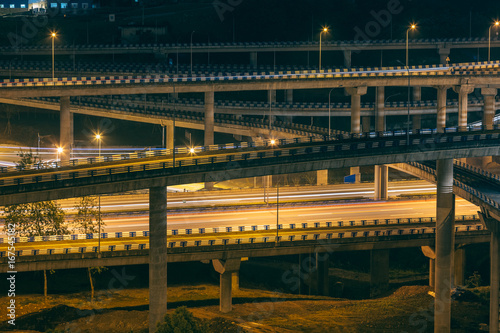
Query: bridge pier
x=494 y=227
x=209 y=126
x=459 y=261
x=170 y=135
x=380 y=109
x=157 y=255
x=66 y=129
x=444 y=53
x=289 y=96
x=366 y=124
x=253 y=59
x=381 y=175
x=322 y=177
x=417 y=119
x=379 y=272
x=271 y=98
x=463 y=91
x=347 y=58
x=430 y=253
x=489 y=106
x=445 y=239
x=226 y=268
x=320 y=281
x=356 y=93
x=441 y=108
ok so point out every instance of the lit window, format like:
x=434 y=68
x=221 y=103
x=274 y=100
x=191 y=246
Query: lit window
x=12 y=6
x=74 y=5
x=1 y=5
x=53 y=5
x=23 y=5
x=64 y=5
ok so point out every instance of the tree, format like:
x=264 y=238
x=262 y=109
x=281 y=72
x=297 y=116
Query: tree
x=28 y=158
x=87 y=220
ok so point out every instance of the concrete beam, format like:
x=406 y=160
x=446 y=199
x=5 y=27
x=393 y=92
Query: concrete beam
x=157 y=255
x=463 y=91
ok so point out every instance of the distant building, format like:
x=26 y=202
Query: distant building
x=71 y=5
x=14 y=4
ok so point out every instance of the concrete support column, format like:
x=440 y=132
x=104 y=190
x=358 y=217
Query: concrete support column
x=157 y=255
x=253 y=59
x=489 y=106
x=381 y=175
x=66 y=129
x=445 y=245
x=355 y=171
x=380 y=109
x=459 y=259
x=322 y=177
x=379 y=272
x=416 y=122
x=289 y=96
x=463 y=102
x=417 y=93
x=235 y=280
x=271 y=99
x=170 y=134
x=441 y=108
x=444 y=52
x=347 y=58
x=320 y=283
x=356 y=93
x=226 y=268
x=430 y=253
x=209 y=118
x=366 y=124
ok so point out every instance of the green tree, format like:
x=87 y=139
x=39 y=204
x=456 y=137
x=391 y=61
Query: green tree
x=180 y=321
x=87 y=220
x=28 y=158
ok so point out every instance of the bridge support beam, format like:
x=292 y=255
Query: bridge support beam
x=253 y=59
x=494 y=227
x=463 y=101
x=209 y=126
x=170 y=135
x=444 y=53
x=66 y=129
x=347 y=58
x=459 y=261
x=226 y=268
x=366 y=124
x=320 y=284
x=380 y=109
x=381 y=175
x=379 y=272
x=430 y=253
x=489 y=106
x=356 y=93
x=417 y=119
x=157 y=255
x=441 y=108
x=322 y=177
x=289 y=96
x=445 y=239
x=271 y=99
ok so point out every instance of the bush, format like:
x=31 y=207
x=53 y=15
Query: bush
x=474 y=280
x=180 y=321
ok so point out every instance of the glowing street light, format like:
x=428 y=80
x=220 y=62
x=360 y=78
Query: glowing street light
x=53 y=35
x=60 y=150
x=98 y=138
x=495 y=24
x=191 y=150
x=324 y=30
x=412 y=27
x=273 y=142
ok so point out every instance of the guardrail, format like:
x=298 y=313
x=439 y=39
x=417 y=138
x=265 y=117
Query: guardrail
x=233 y=229
x=244 y=240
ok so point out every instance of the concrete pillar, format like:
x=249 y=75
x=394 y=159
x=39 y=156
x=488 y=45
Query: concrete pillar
x=174 y=96
x=380 y=109
x=417 y=93
x=170 y=134
x=271 y=99
x=441 y=108
x=494 y=227
x=289 y=96
x=366 y=124
x=356 y=93
x=253 y=59
x=235 y=280
x=489 y=106
x=226 y=268
x=355 y=171
x=320 y=281
x=379 y=272
x=209 y=118
x=459 y=267
x=416 y=121
x=66 y=129
x=157 y=255
x=463 y=101
x=444 y=52
x=430 y=253
x=322 y=177
x=347 y=58
x=381 y=175
x=445 y=239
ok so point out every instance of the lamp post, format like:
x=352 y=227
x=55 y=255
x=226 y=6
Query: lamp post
x=496 y=24
x=412 y=27
x=98 y=138
x=59 y=152
x=329 y=113
x=325 y=30
x=191 y=43
x=53 y=35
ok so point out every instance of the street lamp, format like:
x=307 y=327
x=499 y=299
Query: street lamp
x=496 y=24
x=191 y=71
x=59 y=152
x=53 y=35
x=412 y=27
x=98 y=138
x=325 y=30
x=329 y=114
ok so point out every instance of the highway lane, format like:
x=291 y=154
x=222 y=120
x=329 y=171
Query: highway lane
x=127 y=201
x=287 y=215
